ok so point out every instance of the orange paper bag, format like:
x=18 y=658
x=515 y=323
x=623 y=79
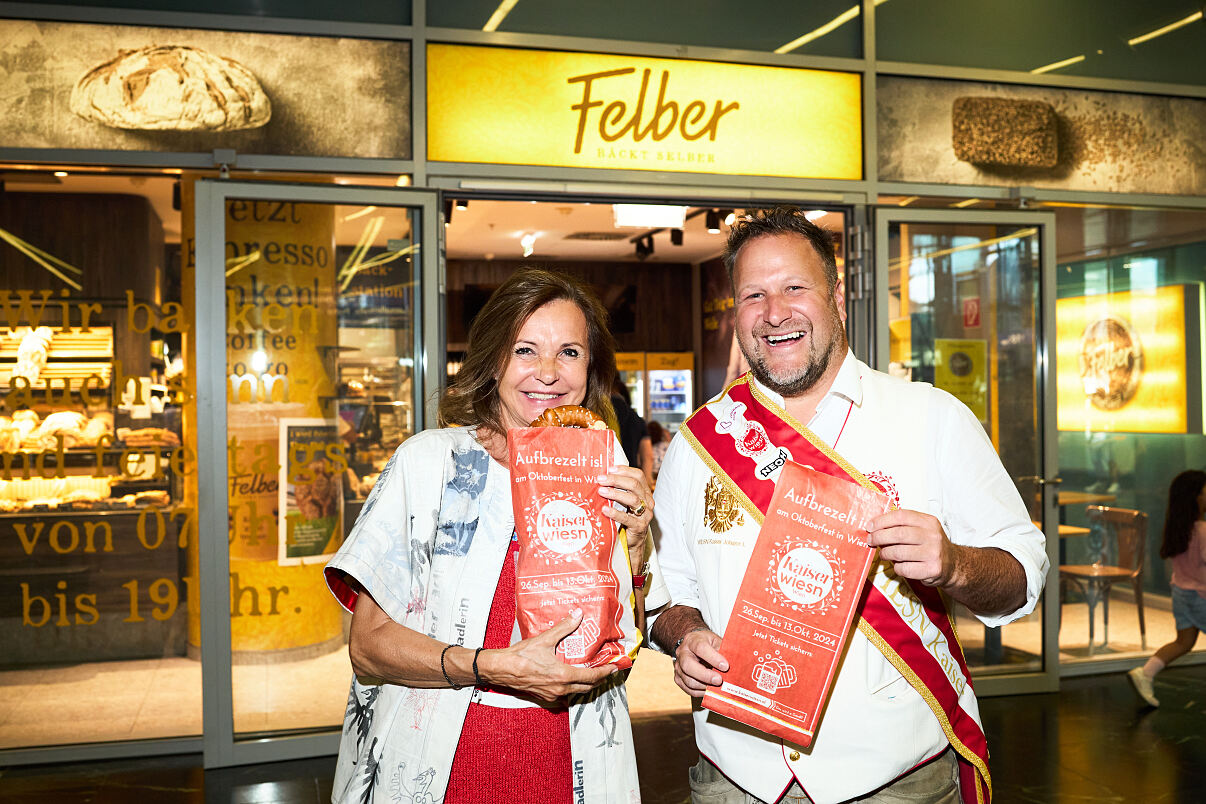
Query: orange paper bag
x=797 y=601
x=569 y=556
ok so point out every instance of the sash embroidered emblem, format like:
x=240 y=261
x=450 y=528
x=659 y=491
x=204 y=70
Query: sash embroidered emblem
x=721 y=510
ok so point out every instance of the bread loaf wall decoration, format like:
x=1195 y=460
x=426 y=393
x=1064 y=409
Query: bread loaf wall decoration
x=171 y=88
x=1007 y=132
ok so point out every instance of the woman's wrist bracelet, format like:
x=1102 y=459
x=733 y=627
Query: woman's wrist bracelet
x=477 y=677
x=444 y=669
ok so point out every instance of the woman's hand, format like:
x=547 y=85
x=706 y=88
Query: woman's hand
x=627 y=486
x=531 y=665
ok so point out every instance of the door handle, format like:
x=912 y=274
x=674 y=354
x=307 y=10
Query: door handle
x=1040 y=481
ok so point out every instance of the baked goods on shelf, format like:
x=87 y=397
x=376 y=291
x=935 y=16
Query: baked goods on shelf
x=32 y=353
x=148 y=437
x=23 y=431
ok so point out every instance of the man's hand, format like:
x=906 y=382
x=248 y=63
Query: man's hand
x=916 y=545
x=987 y=580
x=696 y=662
x=697 y=657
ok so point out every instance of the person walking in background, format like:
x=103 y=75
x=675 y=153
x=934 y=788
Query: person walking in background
x=1184 y=545
x=634 y=435
x=659 y=441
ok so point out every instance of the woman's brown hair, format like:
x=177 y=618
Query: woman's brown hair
x=471 y=399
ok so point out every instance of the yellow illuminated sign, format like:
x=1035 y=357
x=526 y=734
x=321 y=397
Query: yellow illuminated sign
x=630 y=361
x=535 y=107
x=670 y=361
x=1121 y=362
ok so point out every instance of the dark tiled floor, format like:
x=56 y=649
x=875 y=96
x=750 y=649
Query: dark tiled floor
x=1091 y=742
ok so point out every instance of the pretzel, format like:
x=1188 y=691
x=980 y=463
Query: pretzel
x=570 y=416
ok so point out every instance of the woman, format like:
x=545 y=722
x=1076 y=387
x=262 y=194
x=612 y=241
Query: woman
x=429 y=572
x=660 y=440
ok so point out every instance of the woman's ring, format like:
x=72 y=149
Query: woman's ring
x=640 y=509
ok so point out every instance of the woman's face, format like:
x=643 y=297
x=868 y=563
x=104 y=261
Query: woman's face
x=547 y=366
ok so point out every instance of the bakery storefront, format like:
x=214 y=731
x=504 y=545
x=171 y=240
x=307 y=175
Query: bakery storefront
x=239 y=254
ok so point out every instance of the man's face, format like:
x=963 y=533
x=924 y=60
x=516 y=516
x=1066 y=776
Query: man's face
x=789 y=325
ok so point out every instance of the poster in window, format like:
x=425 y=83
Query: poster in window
x=311 y=488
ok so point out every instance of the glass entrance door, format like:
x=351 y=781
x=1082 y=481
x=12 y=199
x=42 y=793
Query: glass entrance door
x=314 y=353
x=963 y=302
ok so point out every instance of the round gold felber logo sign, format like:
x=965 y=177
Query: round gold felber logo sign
x=1111 y=362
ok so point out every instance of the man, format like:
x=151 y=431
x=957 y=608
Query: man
x=905 y=728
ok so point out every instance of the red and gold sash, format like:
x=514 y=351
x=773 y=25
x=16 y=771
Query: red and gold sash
x=746 y=438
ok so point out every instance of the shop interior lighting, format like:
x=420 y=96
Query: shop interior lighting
x=462 y=203
x=448 y=207
x=62 y=174
x=814 y=215
x=676 y=237
x=731 y=218
x=528 y=241
x=500 y=14
x=65 y=271
x=649 y=216
x=829 y=27
x=712 y=221
x=1147 y=37
x=360 y=213
x=1058 y=65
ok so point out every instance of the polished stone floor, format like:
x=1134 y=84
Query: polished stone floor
x=1091 y=742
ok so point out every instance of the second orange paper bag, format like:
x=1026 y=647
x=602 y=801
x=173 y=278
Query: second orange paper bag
x=796 y=604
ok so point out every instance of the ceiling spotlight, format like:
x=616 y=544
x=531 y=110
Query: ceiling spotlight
x=730 y=218
x=676 y=237
x=462 y=203
x=644 y=247
x=712 y=219
x=447 y=211
x=528 y=242
x=62 y=174
x=814 y=215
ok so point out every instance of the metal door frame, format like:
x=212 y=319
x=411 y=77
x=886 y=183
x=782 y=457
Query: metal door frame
x=1046 y=680
x=221 y=748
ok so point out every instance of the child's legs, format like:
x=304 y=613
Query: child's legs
x=1183 y=644
x=1189 y=612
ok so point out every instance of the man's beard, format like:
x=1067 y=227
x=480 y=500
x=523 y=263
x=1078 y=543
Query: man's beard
x=799 y=379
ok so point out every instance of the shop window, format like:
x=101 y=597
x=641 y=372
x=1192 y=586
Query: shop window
x=384 y=12
x=1153 y=41
x=1129 y=342
x=823 y=28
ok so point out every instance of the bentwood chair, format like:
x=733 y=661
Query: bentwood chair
x=1118 y=560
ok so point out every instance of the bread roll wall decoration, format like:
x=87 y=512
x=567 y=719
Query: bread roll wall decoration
x=171 y=88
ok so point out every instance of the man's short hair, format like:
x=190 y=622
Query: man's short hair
x=781 y=221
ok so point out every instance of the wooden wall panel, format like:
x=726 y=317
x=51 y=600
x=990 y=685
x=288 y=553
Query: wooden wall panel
x=656 y=318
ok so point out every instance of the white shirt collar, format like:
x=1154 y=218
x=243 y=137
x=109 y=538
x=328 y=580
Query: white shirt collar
x=847 y=385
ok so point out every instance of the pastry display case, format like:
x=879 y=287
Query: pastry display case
x=91 y=483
